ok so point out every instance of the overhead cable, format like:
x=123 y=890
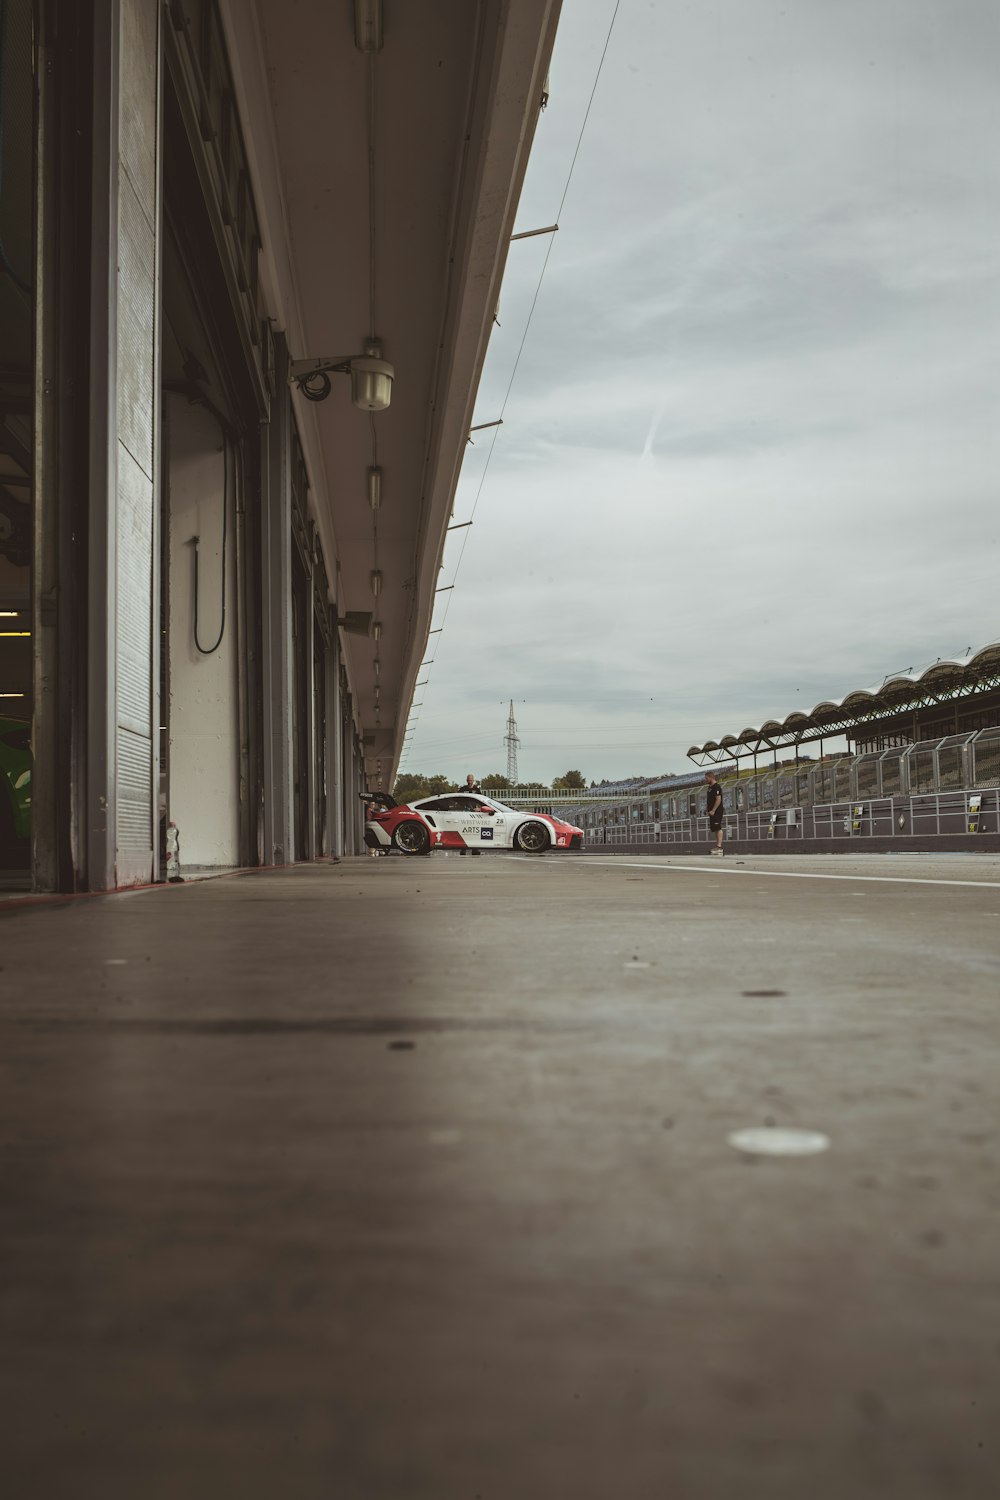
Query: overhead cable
x=534 y=300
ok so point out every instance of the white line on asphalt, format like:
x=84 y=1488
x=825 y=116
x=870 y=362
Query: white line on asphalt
x=714 y=869
x=776 y=1142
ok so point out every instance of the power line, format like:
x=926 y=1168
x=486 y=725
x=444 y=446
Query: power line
x=541 y=278
x=534 y=301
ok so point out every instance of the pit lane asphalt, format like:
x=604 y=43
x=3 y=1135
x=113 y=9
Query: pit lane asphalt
x=415 y=1178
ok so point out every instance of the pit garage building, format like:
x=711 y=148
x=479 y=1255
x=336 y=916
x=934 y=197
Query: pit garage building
x=216 y=586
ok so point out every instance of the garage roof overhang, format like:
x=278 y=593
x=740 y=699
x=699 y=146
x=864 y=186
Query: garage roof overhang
x=386 y=184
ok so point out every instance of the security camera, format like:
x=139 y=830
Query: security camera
x=371 y=376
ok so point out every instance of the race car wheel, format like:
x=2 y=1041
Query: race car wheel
x=412 y=838
x=533 y=838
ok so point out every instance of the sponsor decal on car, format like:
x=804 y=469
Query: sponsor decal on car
x=486 y=833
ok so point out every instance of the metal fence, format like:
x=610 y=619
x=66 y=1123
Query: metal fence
x=947 y=787
x=935 y=814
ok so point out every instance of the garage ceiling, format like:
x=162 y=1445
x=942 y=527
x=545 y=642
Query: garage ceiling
x=408 y=240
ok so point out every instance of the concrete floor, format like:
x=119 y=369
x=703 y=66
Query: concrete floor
x=411 y=1178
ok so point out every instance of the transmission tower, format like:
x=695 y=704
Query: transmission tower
x=511 y=741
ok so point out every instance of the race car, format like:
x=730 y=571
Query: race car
x=462 y=820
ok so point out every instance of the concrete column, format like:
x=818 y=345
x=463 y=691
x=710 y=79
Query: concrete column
x=356 y=814
x=335 y=746
x=122 y=771
x=204 y=755
x=324 y=792
x=276 y=597
x=308 y=646
x=347 y=790
x=335 y=817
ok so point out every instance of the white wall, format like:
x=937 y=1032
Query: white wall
x=203 y=759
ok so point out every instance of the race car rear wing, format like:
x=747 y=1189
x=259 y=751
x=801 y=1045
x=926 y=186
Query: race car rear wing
x=380 y=799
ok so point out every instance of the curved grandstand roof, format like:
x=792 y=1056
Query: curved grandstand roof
x=946 y=678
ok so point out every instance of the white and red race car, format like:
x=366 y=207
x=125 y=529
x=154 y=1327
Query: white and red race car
x=462 y=820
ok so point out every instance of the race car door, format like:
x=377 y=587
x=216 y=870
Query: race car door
x=494 y=823
x=475 y=822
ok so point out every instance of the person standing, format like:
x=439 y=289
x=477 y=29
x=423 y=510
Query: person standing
x=713 y=806
x=471 y=785
x=370 y=812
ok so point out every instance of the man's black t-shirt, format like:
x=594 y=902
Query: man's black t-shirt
x=714 y=795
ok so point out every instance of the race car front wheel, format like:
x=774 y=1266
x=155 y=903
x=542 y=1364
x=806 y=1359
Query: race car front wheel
x=533 y=838
x=412 y=838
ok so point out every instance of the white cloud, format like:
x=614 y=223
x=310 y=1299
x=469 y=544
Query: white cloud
x=750 y=456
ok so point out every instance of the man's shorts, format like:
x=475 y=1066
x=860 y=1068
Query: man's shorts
x=715 y=823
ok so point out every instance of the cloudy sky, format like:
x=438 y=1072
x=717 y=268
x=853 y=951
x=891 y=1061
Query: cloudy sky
x=751 y=454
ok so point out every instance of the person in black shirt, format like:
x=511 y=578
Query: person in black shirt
x=713 y=806
x=471 y=785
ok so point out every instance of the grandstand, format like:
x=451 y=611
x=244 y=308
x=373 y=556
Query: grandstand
x=922 y=771
x=949 y=696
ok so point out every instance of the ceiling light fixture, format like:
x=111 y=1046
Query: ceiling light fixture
x=377 y=629
x=376 y=582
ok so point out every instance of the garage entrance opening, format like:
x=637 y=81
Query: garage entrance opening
x=17 y=314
